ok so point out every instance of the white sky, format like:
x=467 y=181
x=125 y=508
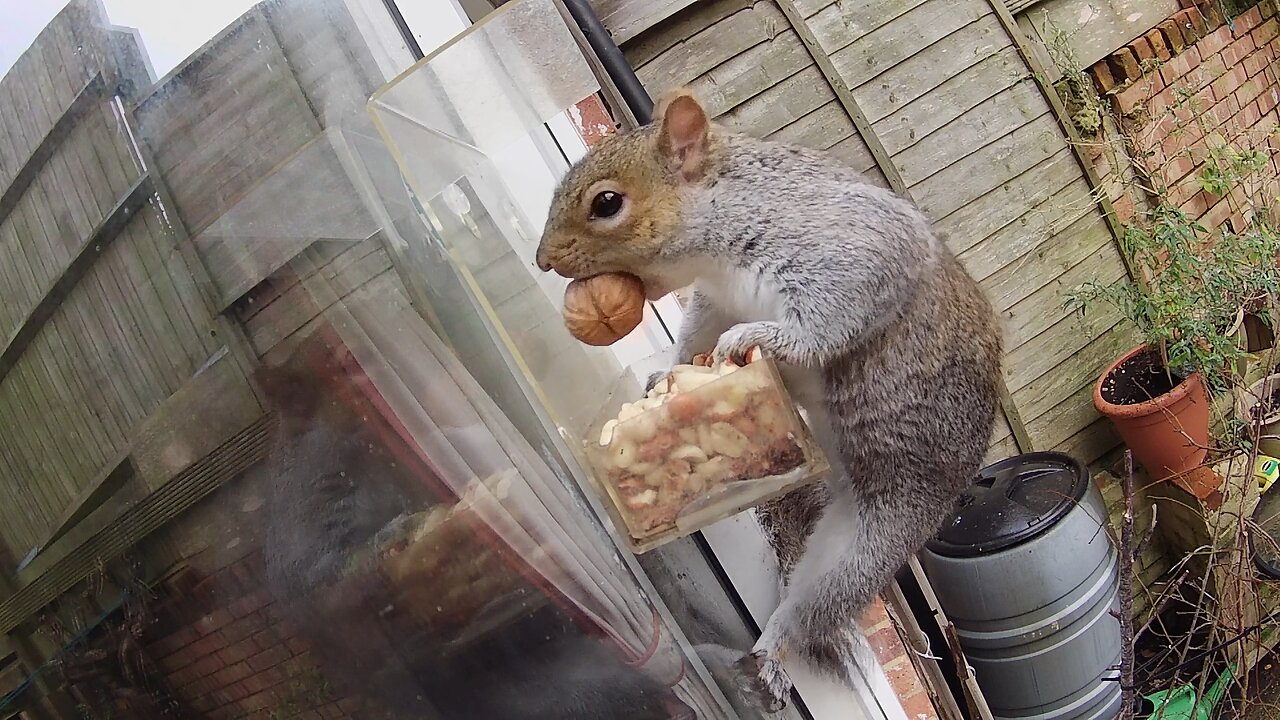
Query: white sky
x=173 y=29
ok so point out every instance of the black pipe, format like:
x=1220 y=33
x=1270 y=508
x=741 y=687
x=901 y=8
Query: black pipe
x=611 y=57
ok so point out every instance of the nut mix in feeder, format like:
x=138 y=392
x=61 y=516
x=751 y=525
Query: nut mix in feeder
x=707 y=441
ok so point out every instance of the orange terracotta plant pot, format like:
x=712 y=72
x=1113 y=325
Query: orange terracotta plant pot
x=1169 y=434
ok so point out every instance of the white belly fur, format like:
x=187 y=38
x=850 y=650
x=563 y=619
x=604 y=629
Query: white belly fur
x=743 y=297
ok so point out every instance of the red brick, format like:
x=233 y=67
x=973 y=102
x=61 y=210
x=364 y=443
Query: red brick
x=331 y=712
x=208 y=645
x=1246 y=22
x=178 y=660
x=261 y=681
x=1163 y=103
x=1158 y=45
x=1176 y=169
x=919 y=706
x=269 y=658
x=1247 y=93
x=232 y=674
x=247 y=604
x=1211 y=68
x=268 y=639
x=258 y=702
x=1267 y=8
x=1248 y=116
x=1221 y=112
x=1124 y=65
x=206 y=666
x=1215 y=41
x=1256 y=63
x=1217 y=215
x=1265 y=32
x=349 y=705
x=1237 y=51
x=1134 y=96
x=1124 y=209
x=1179 y=66
x=902 y=676
x=1268 y=100
x=175 y=641
x=239 y=651
x=1179 y=139
x=886 y=643
x=1103 y=81
x=183 y=677
x=1213 y=15
x=1142 y=50
x=1192 y=25
x=1191 y=3
x=236 y=691
x=1226 y=85
x=296 y=645
x=203 y=686
x=1172 y=35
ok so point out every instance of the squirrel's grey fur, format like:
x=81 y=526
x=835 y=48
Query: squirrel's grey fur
x=889 y=345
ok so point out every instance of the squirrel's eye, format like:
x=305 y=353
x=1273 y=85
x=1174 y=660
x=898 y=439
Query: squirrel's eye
x=606 y=204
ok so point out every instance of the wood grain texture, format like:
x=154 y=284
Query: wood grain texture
x=995 y=117
x=1007 y=203
x=946 y=102
x=989 y=167
x=106 y=233
x=934 y=66
x=225 y=120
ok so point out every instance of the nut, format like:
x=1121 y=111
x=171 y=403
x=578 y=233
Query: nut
x=603 y=309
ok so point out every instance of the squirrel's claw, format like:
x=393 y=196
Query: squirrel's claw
x=735 y=342
x=764 y=681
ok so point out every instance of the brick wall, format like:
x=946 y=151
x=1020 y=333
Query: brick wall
x=1197 y=82
x=228 y=651
x=886 y=642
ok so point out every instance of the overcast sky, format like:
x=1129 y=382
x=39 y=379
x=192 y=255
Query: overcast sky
x=171 y=29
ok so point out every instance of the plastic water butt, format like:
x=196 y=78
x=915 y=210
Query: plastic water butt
x=1026 y=571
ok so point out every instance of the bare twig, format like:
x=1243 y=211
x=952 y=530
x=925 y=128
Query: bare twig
x=1127 y=690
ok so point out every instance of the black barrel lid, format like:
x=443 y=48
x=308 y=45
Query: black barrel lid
x=1011 y=502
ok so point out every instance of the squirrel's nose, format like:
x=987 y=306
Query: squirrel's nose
x=543 y=261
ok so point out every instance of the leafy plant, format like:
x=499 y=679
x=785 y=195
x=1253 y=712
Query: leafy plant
x=1198 y=282
x=1225 y=165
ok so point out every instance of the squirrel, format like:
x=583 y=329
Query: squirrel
x=887 y=344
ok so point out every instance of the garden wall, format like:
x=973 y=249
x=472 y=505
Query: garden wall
x=1182 y=94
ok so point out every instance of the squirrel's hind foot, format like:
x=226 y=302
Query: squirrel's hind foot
x=764 y=680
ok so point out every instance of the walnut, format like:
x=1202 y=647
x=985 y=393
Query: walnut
x=601 y=310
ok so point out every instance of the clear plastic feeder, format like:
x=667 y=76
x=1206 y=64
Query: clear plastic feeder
x=704 y=444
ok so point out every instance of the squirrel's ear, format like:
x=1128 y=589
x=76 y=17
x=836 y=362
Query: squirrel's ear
x=683 y=140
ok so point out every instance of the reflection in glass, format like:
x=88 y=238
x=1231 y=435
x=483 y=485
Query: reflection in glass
x=284 y=410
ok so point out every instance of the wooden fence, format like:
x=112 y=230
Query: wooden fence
x=940 y=101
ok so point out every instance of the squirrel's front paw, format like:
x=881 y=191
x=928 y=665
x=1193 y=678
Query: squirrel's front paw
x=764 y=680
x=654 y=378
x=737 y=340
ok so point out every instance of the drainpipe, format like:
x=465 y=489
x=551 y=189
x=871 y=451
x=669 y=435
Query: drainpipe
x=611 y=58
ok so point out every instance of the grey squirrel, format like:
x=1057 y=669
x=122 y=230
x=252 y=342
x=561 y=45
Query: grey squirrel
x=891 y=348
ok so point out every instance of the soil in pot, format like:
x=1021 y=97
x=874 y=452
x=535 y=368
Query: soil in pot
x=1138 y=379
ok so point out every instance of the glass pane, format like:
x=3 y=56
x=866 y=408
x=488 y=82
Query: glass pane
x=283 y=400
